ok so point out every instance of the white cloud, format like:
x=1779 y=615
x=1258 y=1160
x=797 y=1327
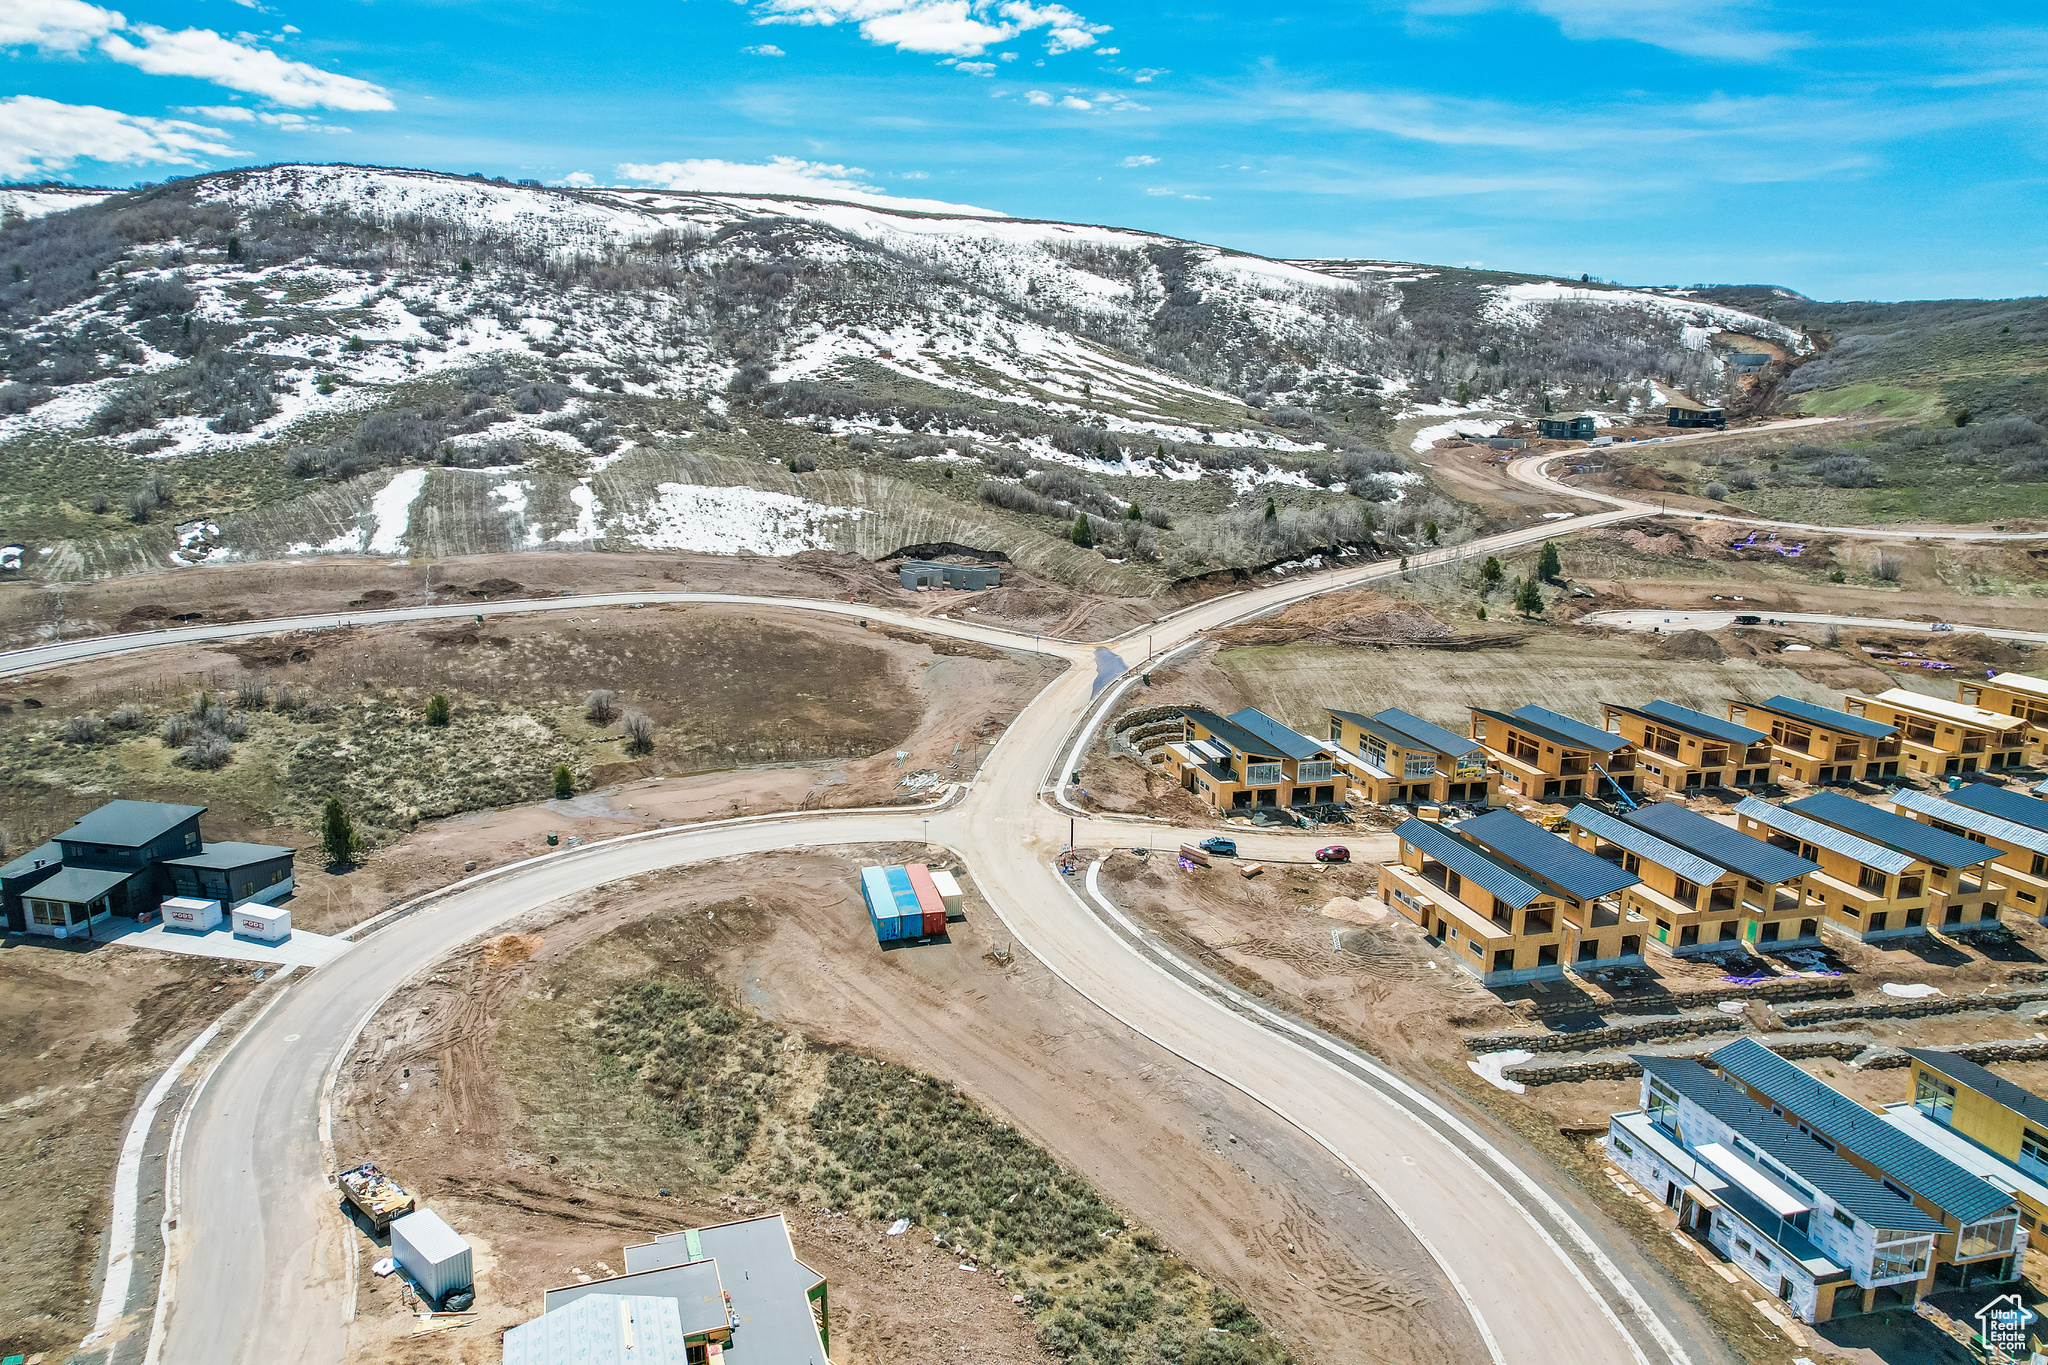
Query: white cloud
x=204 y=54
x=220 y=113
x=764 y=50
x=1135 y=161
x=976 y=68
x=578 y=180
x=783 y=175
x=1038 y=97
x=1007 y=57
x=1698 y=28
x=55 y=25
x=1158 y=189
x=291 y=28
x=1075 y=102
x=39 y=137
x=1109 y=51
x=236 y=63
x=960 y=28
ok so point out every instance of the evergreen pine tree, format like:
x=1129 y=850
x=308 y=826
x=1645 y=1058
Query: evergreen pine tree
x=1529 y=601
x=565 y=782
x=1272 y=510
x=1548 y=566
x=338 y=837
x=1490 y=574
x=1083 y=535
x=437 y=709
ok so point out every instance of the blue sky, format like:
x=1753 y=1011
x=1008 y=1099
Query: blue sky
x=1848 y=150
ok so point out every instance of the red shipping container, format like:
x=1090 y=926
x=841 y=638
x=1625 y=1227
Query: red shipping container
x=927 y=897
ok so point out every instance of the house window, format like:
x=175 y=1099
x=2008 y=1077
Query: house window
x=1662 y=1104
x=1845 y=1220
x=1871 y=880
x=1935 y=1098
x=1909 y=887
x=2033 y=1154
x=1623 y=1148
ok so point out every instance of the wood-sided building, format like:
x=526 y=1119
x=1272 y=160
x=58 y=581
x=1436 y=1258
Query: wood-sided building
x=1249 y=761
x=1511 y=901
x=1544 y=756
x=1968 y=890
x=2017 y=695
x=2020 y=850
x=1704 y=887
x=1820 y=745
x=1947 y=738
x=1683 y=411
x=1688 y=750
x=1396 y=758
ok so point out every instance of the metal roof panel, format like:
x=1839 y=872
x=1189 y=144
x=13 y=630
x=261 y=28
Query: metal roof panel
x=1469 y=861
x=1963 y=1071
x=1644 y=844
x=1290 y=742
x=1228 y=731
x=2004 y=803
x=1727 y=731
x=1893 y=831
x=1824 y=836
x=1721 y=843
x=1828 y=716
x=1841 y=1120
x=1574 y=732
x=1421 y=732
x=1964 y=817
x=1554 y=859
x=128 y=824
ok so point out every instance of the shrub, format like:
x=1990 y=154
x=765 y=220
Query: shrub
x=1887 y=568
x=1716 y=491
x=140 y=504
x=177 y=730
x=639 y=730
x=86 y=729
x=207 y=750
x=253 y=693
x=1740 y=478
x=601 y=707
x=127 y=716
x=437 y=709
x=1848 y=471
x=338 y=837
x=565 y=782
x=804 y=464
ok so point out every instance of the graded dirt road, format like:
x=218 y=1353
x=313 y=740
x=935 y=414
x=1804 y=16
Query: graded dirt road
x=1721 y=620
x=260 y=1257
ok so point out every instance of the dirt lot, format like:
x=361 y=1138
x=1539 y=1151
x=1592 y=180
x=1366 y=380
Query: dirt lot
x=83 y=1030
x=490 y=1044
x=784 y=711
x=31 y=613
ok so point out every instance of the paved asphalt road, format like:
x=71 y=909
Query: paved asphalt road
x=261 y=1261
x=1718 y=620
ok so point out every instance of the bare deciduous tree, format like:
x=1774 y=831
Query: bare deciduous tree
x=639 y=728
x=601 y=707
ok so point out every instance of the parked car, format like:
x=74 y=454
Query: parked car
x=1222 y=848
x=1941 y=625
x=1749 y=620
x=1335 y=853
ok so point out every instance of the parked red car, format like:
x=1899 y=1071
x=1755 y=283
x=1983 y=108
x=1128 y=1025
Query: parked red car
x=1335 y=853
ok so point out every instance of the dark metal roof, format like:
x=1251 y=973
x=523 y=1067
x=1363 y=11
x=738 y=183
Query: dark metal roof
x=77 y=885
x=694 y=1287
x=1826 y=715
x=770 y=1291
x=27 y=862
x=231 y=855
x=1289 y=742
x=1553 y=858
x=1699 y=722
x=2004 y=803
x=1729 y=847
x=1576 y=733
x=128 y=824
x=1420 y=733
x=1976 y=821
x=1791 y=822
x=1643 y=844
x=1229 y=732
x=2019 y=1099
x=1469 y=861
x=1848 y=1187
x=1894 y=831
x=1838 y=1118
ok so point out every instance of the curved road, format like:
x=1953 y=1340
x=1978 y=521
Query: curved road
x=259 y=1267
x=1530 y=470
x=1653 y=619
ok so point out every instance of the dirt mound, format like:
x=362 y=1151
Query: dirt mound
x=268 y=652
x=1669 y=543
x=1363 y=618
x=1647 y=479
x=493 y=587
x=1689 y=644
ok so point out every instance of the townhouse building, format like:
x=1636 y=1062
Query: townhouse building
x=1250 y=761
x=2013 y=694
x=1820 y=1234
x=1819 y=745
x=2021 y=851
x=1544 y=756
x=1982 y=1122
x=1979 y=1239
x=1688 y=750
x=2005 y=802
x=1692 y=902
x=1511 y=901
x=1863 y=890
x=1946 y=738
x=1966 y=892
x=1394 y=757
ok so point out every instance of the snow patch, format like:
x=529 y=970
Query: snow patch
x=735 y=520
x=1429 y=436
x=1489 y=1066
x=391 y=511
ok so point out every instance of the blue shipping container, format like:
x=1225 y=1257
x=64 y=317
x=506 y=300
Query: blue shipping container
x=878 y=890
x=909 y=914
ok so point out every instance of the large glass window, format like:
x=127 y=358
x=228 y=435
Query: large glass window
x=1662 y=1105
x=1934 y=1097
x=1993 y=1235
x=2034 y=1154
x=1900 y=1259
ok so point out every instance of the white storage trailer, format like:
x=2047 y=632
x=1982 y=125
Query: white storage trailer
x=949 y=892
x=191 y=914
x=263 y=923
x=431 y=1252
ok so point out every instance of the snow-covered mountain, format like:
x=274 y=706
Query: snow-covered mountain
x=361 y=360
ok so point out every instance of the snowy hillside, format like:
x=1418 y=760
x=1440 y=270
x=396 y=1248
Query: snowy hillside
x=36 y=201
x=289 y=336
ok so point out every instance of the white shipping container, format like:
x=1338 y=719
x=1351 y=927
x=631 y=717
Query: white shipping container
x=949 y=892
x=275 y=926
x=431 y=1252
x=191 y=913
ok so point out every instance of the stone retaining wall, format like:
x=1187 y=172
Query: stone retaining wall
x=1910 y=1009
